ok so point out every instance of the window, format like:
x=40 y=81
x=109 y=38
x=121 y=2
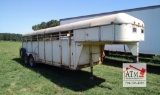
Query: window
x=63 y=35
x=24 y=39
x=34 y=38
x=134 y=30
x=142 y=31
x=47 y=37
x=29 y=38
x=40 y=37
x=55 y=36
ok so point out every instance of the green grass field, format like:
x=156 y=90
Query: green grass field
x=18 y=79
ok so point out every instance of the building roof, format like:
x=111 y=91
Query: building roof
x=113 y=12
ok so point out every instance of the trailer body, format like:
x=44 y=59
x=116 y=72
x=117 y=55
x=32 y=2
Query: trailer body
x=81 y=44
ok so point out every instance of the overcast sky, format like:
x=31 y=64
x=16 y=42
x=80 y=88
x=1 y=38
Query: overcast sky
x=18 y=16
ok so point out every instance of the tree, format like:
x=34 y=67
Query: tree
x=43 y=25
x=10 y=37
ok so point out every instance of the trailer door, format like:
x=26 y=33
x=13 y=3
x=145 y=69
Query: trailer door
x=56 y=52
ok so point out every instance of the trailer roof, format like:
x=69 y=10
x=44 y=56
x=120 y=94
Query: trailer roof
x=119 y=18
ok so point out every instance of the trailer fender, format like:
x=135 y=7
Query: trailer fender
x=31 y=54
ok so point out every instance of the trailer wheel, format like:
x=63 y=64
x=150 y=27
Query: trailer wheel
x=31 y=61
x=22 y=52
x=25 y=59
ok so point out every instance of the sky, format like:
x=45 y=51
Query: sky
x=18 y=16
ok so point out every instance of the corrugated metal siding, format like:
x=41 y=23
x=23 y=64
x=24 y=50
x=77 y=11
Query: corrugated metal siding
x=79 y=18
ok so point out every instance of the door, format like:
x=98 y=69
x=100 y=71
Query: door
x=92 y=34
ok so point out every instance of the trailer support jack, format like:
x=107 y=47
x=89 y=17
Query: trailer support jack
x=136 y=59
x=91 y=76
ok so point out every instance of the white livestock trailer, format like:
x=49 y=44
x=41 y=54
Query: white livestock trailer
x=81 y=44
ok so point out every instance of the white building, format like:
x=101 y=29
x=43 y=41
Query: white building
x=149 y=15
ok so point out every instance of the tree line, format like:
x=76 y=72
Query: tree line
x=43 y=25
x=10 y=37
x=18 y=37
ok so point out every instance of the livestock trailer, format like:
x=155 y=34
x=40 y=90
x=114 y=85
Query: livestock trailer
x=81 y=44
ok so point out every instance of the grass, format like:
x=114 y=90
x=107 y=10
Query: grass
x=18 y=79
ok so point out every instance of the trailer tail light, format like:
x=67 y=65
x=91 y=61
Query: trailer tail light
x=112 y=22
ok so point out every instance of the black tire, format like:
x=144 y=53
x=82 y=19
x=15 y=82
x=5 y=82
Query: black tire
x=31 y=61
x=22 y=53
x=25 y=59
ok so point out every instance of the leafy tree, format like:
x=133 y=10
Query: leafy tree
x=10 y=37
x=43 y=25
